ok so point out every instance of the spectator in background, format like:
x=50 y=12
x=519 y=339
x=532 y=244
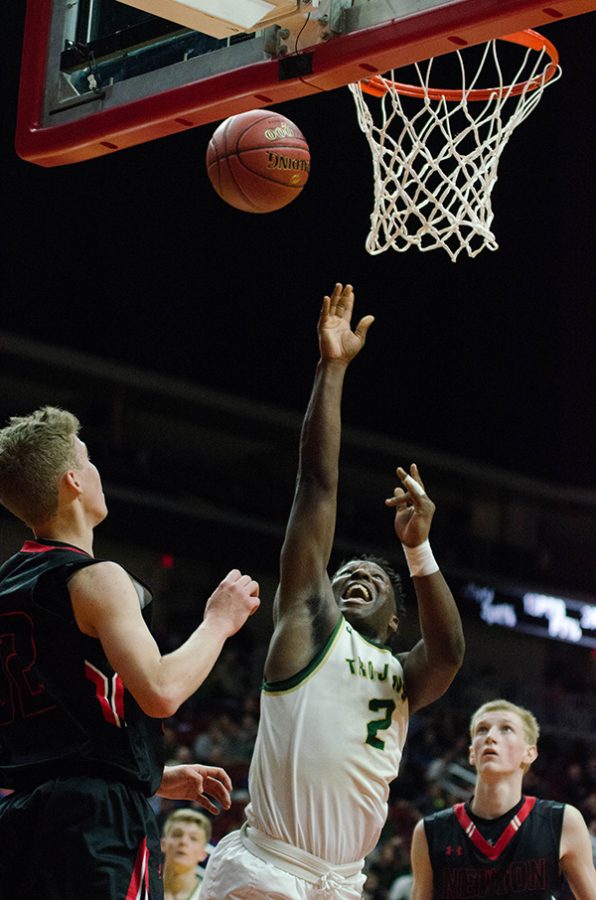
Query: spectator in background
x=230 y=677
x=186 y=834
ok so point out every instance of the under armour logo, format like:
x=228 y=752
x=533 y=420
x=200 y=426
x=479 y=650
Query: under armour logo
x=449 y=850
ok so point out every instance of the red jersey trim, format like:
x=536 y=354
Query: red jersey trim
x=109 y=693
x=138 y=888
x=493 y=852
x=38 y=547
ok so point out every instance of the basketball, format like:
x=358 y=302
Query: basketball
x=258 y=161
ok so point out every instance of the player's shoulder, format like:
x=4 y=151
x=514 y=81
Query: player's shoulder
x=98 y=574
x=440 y=817
x=550 y=814
x=571 y=814
x=549 y=807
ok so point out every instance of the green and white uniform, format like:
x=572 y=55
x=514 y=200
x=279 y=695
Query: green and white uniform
x=330 y=742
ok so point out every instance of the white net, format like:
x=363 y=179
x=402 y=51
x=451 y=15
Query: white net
x=435 y=159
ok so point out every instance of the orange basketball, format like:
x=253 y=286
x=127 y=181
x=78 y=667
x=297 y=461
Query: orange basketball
x=258 y=161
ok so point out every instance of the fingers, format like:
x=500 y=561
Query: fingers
x=363 y=326
x=249 y=589
x=212 y=788
x=342 y=300
x=233 y=575
x=412 y=491
x=243 y=582
x=216 y=772
x=233 y=601
x=248 y=584
x=340 y=303
x=211 y=784
x=400 y=498
x=413 y=481
x=204 y=801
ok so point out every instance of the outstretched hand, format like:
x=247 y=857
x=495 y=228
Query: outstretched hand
x=232 y=602
x=197 y=783
x=337 y=341
x=414 y=509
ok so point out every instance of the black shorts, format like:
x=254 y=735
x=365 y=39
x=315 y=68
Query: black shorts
x=79 y=838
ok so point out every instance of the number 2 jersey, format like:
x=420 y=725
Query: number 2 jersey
x=63 y=709
x=329 y=743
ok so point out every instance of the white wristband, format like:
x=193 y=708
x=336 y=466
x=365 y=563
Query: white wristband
x=420 y=559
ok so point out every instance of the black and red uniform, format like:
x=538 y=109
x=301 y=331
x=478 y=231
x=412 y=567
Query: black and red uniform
x=76 y=749
x=514 y=856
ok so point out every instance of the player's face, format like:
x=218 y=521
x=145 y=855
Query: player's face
x=499 y=745
x=184 y=845
x=90 y=482
x=365 y=596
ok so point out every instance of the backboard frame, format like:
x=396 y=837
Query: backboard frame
x=191 y=93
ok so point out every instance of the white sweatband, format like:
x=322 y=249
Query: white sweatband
x=420 y=559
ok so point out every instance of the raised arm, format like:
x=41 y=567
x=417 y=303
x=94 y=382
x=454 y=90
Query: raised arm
x=304 y=608
x=576 y=855
x=106 y=606
x=431 y=666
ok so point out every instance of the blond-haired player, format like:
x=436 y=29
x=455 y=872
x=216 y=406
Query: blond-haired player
x=84 y=685
x=502 y=843
x=185 y=836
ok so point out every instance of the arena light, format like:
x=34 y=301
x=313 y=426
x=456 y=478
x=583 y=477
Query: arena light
x=567 y=619
x=218 y=18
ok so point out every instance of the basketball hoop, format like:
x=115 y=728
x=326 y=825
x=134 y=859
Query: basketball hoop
x=433 y=178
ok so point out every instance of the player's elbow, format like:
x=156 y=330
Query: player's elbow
x=447 y=665
x=317 y=481
x=449 y=655
x=159 y=704
x=456 y=653
x=448 y=668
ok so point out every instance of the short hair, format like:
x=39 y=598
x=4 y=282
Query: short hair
x=35 y=452
x=188 y=816
x=531 y=726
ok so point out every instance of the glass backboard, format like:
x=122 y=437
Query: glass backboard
x=98 y=76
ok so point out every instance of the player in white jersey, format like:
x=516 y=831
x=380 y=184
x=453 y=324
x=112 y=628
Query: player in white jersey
x=336 y=700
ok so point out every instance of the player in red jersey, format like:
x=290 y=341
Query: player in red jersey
x=502 y=843
x=83 y=685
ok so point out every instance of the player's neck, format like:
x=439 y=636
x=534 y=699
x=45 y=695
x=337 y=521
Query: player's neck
x=180 y=885
x=78 y=536
x=495 y=798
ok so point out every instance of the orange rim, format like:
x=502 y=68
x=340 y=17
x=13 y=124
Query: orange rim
x=377 y=86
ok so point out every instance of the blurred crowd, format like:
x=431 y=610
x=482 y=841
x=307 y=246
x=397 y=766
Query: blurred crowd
x=218 y=726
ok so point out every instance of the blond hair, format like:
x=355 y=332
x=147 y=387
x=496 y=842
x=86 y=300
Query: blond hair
x=189 y=816
x=531 y=727
x=35 y=452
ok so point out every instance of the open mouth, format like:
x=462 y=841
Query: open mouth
x=357 y=591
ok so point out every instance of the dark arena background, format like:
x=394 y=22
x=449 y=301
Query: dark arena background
x=182 y=333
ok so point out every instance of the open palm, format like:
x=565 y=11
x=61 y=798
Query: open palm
x=337 y=341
